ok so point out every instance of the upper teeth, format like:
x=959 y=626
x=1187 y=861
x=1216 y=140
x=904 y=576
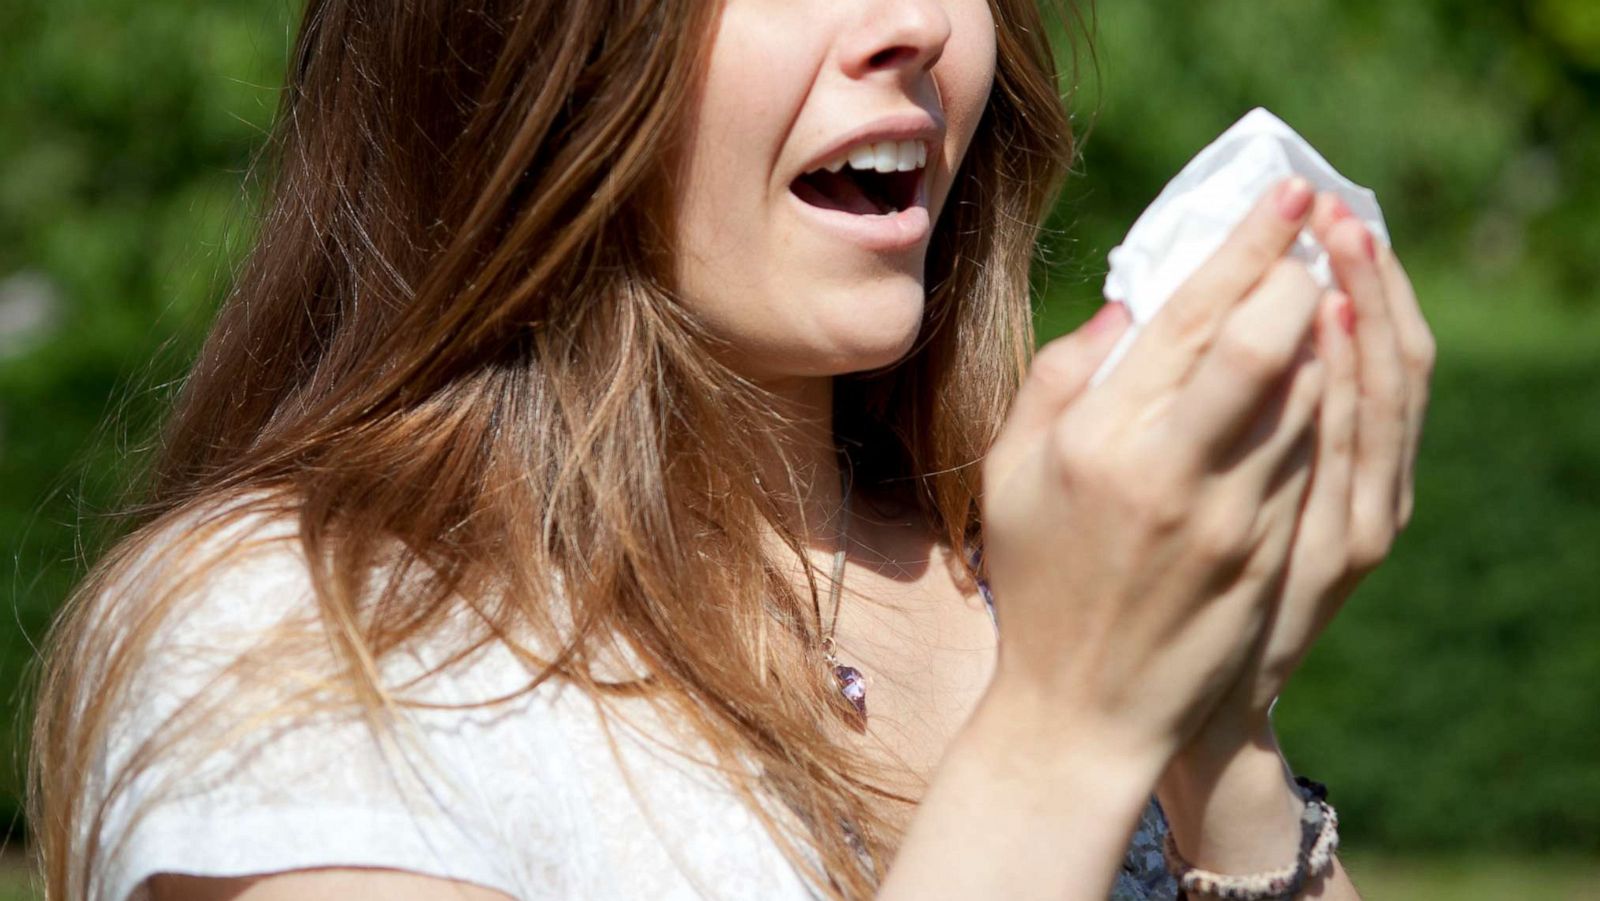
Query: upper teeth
x=883 y=156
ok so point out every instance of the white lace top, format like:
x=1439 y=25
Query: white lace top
x=525 y=796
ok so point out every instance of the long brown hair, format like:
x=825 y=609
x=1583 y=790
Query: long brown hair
x=454 y=357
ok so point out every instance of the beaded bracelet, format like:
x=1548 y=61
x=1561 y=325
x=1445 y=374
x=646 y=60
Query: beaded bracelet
x=1319 y=839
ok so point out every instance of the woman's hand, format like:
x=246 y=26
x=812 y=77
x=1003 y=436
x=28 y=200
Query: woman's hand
x=1378 y=353
x=1138 y=534
x=1136 y=537
x=1226 y=794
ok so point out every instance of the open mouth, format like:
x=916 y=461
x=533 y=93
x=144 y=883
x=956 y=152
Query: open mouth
x=872 y=180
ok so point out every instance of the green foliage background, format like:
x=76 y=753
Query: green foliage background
x=1453 y=706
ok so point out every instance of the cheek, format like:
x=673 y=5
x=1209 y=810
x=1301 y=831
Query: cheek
x=974 y=23
x=965 y=75
x=755 y=77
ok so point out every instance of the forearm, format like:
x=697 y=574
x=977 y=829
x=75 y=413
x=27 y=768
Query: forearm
x=1024 y=805
x=1233 y=808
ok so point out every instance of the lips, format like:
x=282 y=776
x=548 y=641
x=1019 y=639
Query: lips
x=860 y=193
x=869 y=187
x=872 y=232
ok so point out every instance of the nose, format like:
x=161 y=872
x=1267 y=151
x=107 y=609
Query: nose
x=899 y=36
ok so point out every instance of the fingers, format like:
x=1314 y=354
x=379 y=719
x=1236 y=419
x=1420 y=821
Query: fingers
x=1245 y=363
x=1059 y=371
x=1234 y=511
x=1381 y=397
x=1258 y=462
x=1240 y=506
x=1417 y=353
x=1165 y=353
x=1326 y=518
x=1275 y=528
x=1315 y=511
x=1329 y=503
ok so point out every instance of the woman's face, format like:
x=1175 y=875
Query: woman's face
x=811 y=272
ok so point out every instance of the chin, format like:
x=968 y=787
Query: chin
x=880 y=334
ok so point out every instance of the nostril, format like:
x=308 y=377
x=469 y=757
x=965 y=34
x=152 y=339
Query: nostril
x=891 y=56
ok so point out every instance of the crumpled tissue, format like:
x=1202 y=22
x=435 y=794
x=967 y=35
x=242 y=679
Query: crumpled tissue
x=1196 y=211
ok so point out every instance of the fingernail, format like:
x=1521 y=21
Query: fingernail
x=1109 y=313
x=1341 y=210
x=1369 y=245
x=1347 y=315
x=1294 y=198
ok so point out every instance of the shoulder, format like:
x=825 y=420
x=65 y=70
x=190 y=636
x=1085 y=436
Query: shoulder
x=227 y=591
x=236 y=744
x=210 y=572
x=203 y=597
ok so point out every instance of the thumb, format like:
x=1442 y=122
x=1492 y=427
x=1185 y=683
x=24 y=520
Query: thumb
x=1060 y=371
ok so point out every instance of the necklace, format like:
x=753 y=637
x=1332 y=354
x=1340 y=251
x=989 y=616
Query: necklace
x=852 y=685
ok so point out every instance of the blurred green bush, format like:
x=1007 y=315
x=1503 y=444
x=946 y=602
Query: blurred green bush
x=124 y=128
x=1452 y=706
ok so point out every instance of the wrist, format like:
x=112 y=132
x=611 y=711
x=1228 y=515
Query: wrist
x=1225 y=740
x=1029 y=733
x=1025 y=804
x=1231 y=802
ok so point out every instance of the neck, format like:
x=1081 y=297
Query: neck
x=810 y=499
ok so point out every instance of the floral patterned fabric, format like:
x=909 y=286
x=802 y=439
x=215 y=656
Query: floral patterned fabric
x=1144 y=875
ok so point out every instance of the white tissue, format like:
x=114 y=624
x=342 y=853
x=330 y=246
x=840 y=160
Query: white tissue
x=1198 y=209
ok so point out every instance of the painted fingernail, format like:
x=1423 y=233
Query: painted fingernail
x=1369 y=245
x=1347 y=315
x=1341 y=210
x=1294 y=198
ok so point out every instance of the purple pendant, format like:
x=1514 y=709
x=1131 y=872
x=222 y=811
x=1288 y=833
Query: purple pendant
x=853 y=686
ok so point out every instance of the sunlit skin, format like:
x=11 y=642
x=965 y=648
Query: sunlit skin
x=797 y=304
x=785 y=80
x=800 y=304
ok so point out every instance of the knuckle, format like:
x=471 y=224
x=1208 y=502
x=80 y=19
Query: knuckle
x=1309 y=382
x=1422 y=353
x=1385 y=401
x=1191 y=316
x=1224 y=535
x=1307 y=401
x=1407 y=507
x=1369 y=547
x=1190 y=322
x=1292 y=276
x=1079 y=453
x=1250 y=357
x=1161 y=499
x=1259 y=247
x=1054 y=363
x=1340 y=442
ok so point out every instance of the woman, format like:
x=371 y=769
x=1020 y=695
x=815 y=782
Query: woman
x=580 y=493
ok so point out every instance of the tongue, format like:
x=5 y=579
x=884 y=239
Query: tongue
x=836 y=191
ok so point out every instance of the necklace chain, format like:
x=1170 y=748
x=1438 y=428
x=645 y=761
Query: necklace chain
x=836 y=580
x=852 y=684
